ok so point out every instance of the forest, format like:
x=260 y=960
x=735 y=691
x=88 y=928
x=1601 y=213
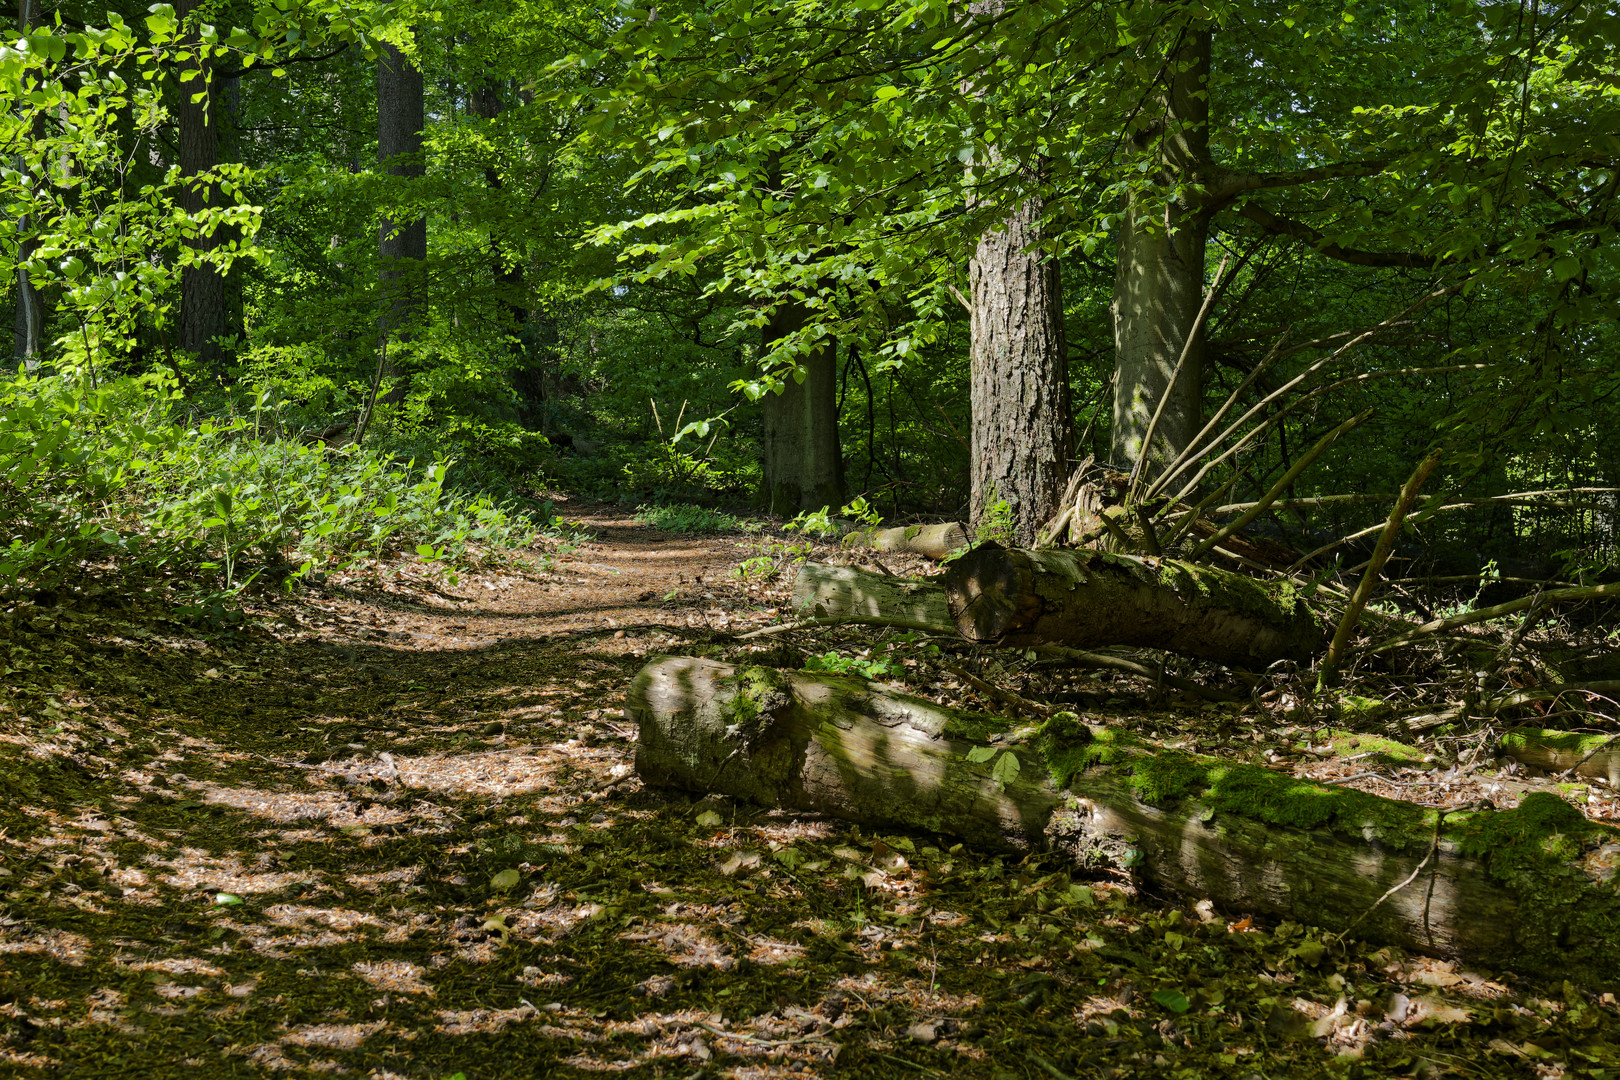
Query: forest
x=1056 y=539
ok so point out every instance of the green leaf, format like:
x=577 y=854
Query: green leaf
x=981 y=754
x=1174 y=1000
x=505 y=880
x=226 y=899
x=1006 y=768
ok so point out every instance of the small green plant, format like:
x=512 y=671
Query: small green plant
x=996 y=523
x=758 y=568
x=821 y=522
x=688 y=518
x=879 y=667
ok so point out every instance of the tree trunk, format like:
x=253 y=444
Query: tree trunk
x=401 y=245
x=929 y=541
x=28 y=328
x=1524 y=889
x=1564 y=751
x=801 y=461
x=202 y=286
x=1159 y=281
x=845 y=592
x=505 y=268
x=1022 y=430
x=1087 y=599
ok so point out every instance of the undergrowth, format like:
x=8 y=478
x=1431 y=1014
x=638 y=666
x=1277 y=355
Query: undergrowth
x=690 y=518
x=121 y=472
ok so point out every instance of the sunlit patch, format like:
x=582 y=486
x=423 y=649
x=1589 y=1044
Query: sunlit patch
x=297 y=915
x=393 y=976
x=482 y=1021
x=281 y=807
x=187 y=965
x=59 y=945
x=24 y=1059
x=332 y=1036
x=685 y=945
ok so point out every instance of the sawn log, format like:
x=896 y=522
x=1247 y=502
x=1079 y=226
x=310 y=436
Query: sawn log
x=844 y=591
x=1530 y=889
x=1087 y=599
x=929 y=541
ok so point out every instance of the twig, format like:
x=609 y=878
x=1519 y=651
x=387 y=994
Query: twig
x=992 y=690
x=1552 y=596
x=1281 y=485
x=842 y=620
x=1375 y=566
x=1434 y=846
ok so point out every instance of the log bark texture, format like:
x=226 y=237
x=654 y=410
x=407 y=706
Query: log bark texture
x=929 y=541
x=843 y=592
x=1562 y=751
x=1530 y=889
x=1090 y=599
x=839 y=746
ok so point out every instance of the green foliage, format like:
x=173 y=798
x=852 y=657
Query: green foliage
x=995 y=523
x=119 y=474
x=866 y=666
x=690 y=518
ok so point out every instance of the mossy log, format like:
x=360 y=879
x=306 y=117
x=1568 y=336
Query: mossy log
x=1530 y=889
x=1563 y=751
x=929 y=541
x=845 y=592
x=1087 y=599
x=840 y=746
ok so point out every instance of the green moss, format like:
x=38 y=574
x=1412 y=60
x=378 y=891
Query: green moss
x=758 y=690
x=1064 y=742
x=1543 y=826
x=977 y=727
x=1381 y=750
x=1560 y=741
x=1353 y=709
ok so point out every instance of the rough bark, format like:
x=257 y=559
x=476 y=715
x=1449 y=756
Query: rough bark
x=1513 y=889
x=401 y=245
x=1022 y=429
x=202 y=286
x=844 y=592
x=1159 y=281
x=1090 y=599
x=929 y=541
x=801 y=462
x=827 y=744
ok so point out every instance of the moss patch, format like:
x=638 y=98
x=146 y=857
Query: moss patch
x=1378 y=749
x=1563 y=742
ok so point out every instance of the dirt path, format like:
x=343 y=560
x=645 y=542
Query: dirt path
x=389 y=840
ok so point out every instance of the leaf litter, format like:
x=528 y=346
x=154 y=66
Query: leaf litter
x=396 y=834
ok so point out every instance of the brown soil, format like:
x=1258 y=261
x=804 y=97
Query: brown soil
x=394 y=832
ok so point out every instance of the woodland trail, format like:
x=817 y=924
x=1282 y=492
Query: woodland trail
x=396 y=835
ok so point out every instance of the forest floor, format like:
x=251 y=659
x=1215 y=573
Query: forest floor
x=394 y=831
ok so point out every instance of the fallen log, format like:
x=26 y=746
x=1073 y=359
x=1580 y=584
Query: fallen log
x=1530 y=889
x=1565 y=751
x=845 y=592
x=930 y=541
x=834 y=745
x=1088 y=599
